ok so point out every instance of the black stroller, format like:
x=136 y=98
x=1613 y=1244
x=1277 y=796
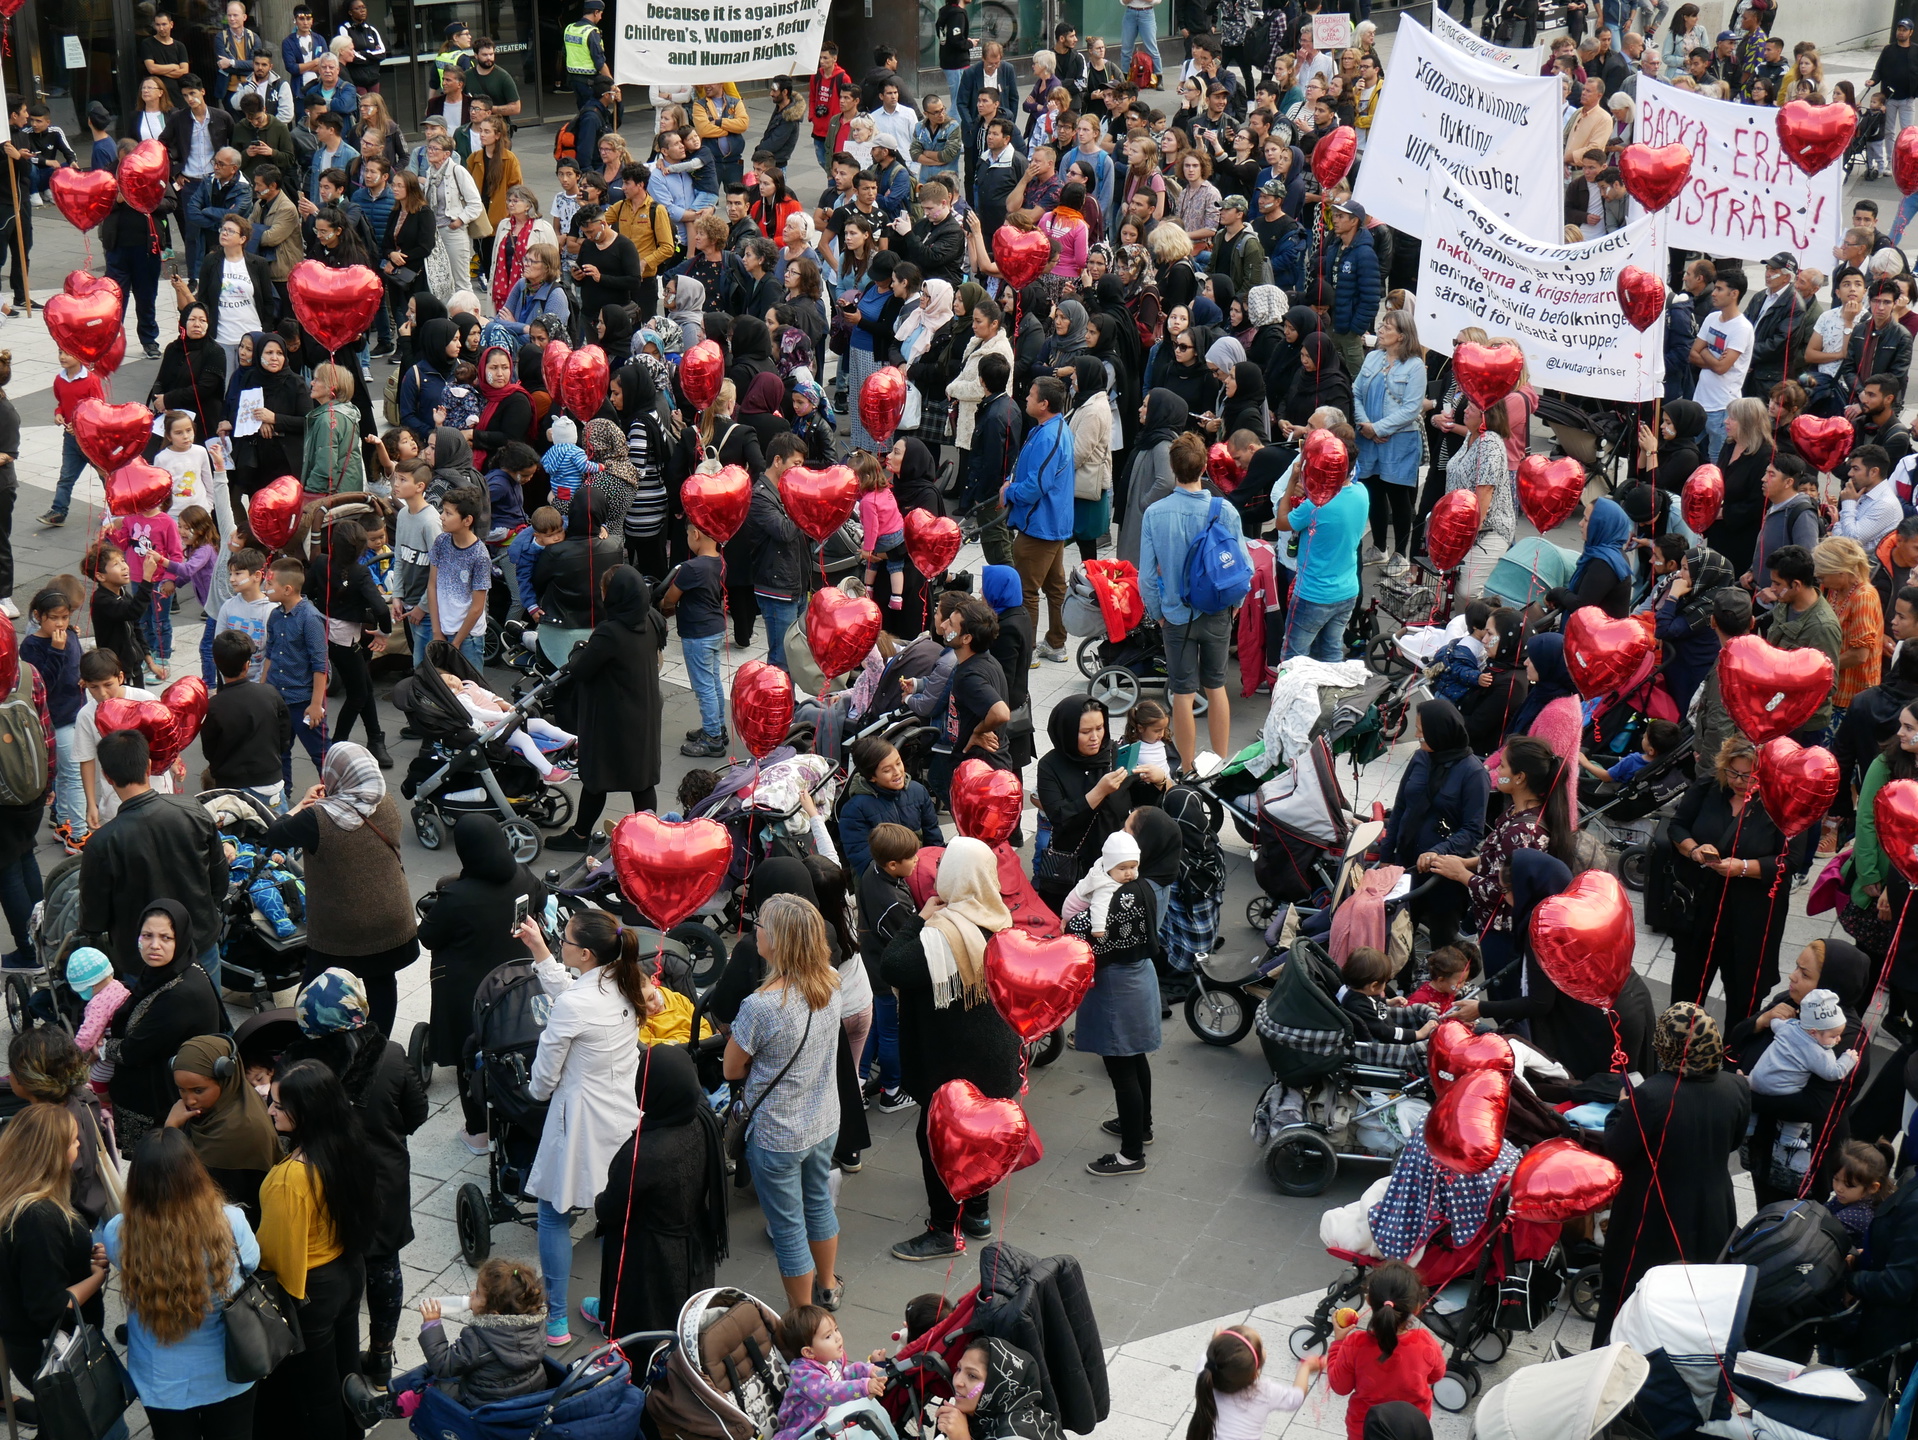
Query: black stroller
x=257 y=956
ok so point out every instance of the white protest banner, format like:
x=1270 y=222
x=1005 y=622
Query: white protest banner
x=673 y=43
x=1465 y=38
x=1332 y=33
x=1445 y=112
x=1560 y=302
x=1744 y=197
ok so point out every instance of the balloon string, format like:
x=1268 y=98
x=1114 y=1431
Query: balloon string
x=610 y=1322
x=745 y=879
x=1711 y=945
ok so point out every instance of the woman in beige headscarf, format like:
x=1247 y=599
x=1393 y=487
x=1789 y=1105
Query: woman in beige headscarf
x=948 y=1028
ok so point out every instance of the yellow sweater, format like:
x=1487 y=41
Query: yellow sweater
x=296 y=1233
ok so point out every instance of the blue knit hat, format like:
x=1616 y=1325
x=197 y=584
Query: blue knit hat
x=332 y=1001
x=87 y=970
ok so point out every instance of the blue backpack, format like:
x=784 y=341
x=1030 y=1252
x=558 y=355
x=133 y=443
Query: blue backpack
x=1218 y=574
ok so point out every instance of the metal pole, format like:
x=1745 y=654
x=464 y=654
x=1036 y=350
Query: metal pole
x=19 y=215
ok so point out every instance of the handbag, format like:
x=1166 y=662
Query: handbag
x=915 y=409
x=262 y=1328
x=740 y=1115
x=1831 y=889
x=1058 y=869
x=81 y=1387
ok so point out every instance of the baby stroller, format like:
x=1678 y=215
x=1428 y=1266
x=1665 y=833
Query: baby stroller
x=262 y=918
x=1868 y=132
x=1421 y=596
x=1527 y=571
x=594 y=1398
x=509 y=1015
x=1591 y=432
x=1122 y=649
x=758 y=803
x=1624 y=817
x=464 y=770
x=41 y=995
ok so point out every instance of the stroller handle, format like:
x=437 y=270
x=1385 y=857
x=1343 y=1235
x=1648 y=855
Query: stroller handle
x=579 y=1376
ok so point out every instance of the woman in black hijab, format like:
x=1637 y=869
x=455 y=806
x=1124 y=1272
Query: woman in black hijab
x=1102 y=348
x=616 y=334
x=1148 y=477
x=663 y=1211
x=1126 y=354
x=426 y=306
x=286 y=396
x=172 y=1000
x=1489 y=708
x=1244 y=408
x=618 y=718
x=752 y=353
x=1440 y=810
x=1320 y=380
x=1080 y=793
x=1188 y=376
x=422 y=388
x=915 y=486
x=1300 y=321
x=1035 y=330
x=193 y=373
x=1669 y=457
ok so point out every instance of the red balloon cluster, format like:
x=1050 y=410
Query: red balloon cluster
x=840 y=629
x=1796 y=782
x=1602 y=653
x=932 y=541
x=762 y=706
x=882 y=403
x=667 y=868
x=819 y=501
x=1548 y=490
x=84 y=319
x=1703 y=498
x=1456 y=1052
x=1466 y=1129
x=1036 y=983
x=986 y=800
x=1583 y=936
x=1559 y=1179
x=717 y=500
x=1451 y=528
x=336 y=306
x=1771 y=692
x=702 y=370
x=169 y=723
x=1021 y=255
x=274 y=510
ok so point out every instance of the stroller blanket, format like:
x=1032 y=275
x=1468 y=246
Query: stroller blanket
x=1296 y=707
x=1361 y=920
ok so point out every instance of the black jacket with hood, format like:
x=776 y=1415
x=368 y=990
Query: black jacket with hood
x=617 y=680
x=566 y=576
x=1042 y=1307
x=469 y=929
x=777 y=547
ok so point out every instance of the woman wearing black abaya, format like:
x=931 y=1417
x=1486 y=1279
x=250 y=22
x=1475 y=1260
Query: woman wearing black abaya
x=1320 y=380
x=1188 y=376
x=662 y=1215
x=1488 y=709
x=422 y=389
x=193 y=373
x=1029 y=344
x=172 y=1000
x=284 y=395
x=1300 y=321
x=752 y=353
x=1244 y=407
x=1669 y=457
x=619 y=704
x=915 y=486
x=615 y=334
x=1104 y=333
x=1161 y=850
x=1080 y=792
x=1149 y=476
x=1440 y=810
x=1126 y=354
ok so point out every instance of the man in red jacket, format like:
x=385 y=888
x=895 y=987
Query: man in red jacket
x=822 y=99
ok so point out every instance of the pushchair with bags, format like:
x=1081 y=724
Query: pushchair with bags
x=1122 y=649
x=509 y=1016
x=594 y=1398
x=263 y=914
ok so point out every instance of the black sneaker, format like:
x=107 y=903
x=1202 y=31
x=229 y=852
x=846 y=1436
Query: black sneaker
x=1115 y=1165
x=705 y=747
x=368 y=1405
x=1111 y=1127
x=891 y=1102
x=53 y=518
x=850 y=1163
x=975 y=1227
x=570 y=841
x=695 y=732
x=926 y=1245
x=152 y=351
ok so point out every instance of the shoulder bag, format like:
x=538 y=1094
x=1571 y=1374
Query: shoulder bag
x=81 y=1388
x=740 y=1115
x=262 y=1328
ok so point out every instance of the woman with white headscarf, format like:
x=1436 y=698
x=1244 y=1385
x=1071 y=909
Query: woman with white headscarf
x=916 y=327
x=686 y=307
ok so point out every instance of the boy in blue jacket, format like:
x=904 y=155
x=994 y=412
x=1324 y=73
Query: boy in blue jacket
x=547 y=529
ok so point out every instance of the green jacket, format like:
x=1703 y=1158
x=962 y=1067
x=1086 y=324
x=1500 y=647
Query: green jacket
x=280 y=139
x=330 y=462
x=1816 y=629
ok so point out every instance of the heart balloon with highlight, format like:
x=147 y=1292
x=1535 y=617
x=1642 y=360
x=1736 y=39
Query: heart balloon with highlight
x=584 y=378
x=109 y=363
x=1654 y=176
x=1796 y=782
x=762 y=706
x=819 y=501
x=1451 y=528
x=85 y=324
x=169 y=723
x=1036 y=984
x=336 y=306
x=932 y=541
x=1771 y=692
x=702 y=370
x=1225 y=472
x=1486 y=374
x=143 y=176
x=1548 y=490
x=1333 y=156
x=1022 y=255
x=111 y=435
x=1825 y=440
x=9 y=660
x=82 y=283
x=1602 y=653
x=1457 y=1051
x=1895 y=810
x=1703 y=498
x=975 y=1141
x=717 y=500
x=882 y=402
x=667 y=868
x=1815 y=135
x=1323 y=466
x=274 y=510
x=1466 y=1129
x=85 y=197
x=137 y=486
x=986 y=800
x=1641 y=296
x=840 y=629
x=1559 y=1179
x=1583 y=936
x=1904 y=160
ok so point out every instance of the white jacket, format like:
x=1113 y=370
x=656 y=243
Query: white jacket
x=588 y=1067
x=1091 y=426
x=459 y=199
x=968 y=389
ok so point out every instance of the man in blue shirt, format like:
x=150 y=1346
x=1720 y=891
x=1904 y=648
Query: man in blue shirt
x=1328 y=582
x=1195 y=643
x=1039 y=496
x=675 y=188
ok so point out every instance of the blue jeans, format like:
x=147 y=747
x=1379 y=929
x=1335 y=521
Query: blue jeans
x=73 y=460
x=192 y=217
x=778 y=615
x=821 y=155
x=1139 y=29
x=69 y=795
x=882 y=1043
x=1316 y=629
x=313 y=740
x=1714 y=435
x=156 y=627
x=207 y=672
x=210 y=962
x=555 y=1259
x=953 y=78
x=1907 y=208
x=796 y=1197
x=473 y=648
x=702 y=669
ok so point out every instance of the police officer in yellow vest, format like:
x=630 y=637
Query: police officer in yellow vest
x=586 y=53
x=457 y=54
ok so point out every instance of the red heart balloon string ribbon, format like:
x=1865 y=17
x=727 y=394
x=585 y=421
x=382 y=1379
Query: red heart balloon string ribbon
x=610 y=1319
x=745 y=879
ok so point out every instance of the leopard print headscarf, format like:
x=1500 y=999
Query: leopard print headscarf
x=1688 y=1042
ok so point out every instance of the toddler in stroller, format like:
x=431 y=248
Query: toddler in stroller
x=821 y=1384
x=535 y=741
x=499 y=1354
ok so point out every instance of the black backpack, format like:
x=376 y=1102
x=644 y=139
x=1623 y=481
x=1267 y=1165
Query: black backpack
x=1798 y=1249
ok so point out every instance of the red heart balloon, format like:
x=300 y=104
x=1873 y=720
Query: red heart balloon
x=1036 y=983
x=1548 y=490
x=1703 y=497
x=552 y=366
x=169 y=723
x=186 y=700
x=986 y=800
x=882 y=401
x=1333 y=156
x=1602 y=653
x=1823 y=440
x=1457 y=1051
x=86 y=324
x=85 y=197
x=1466 y=1130
x=717 y=501
x=82 y=283
x=1796 y=782
x=840 y=629
x=1653 y=177
x=932 y=541
x=702 y=370
x=1022 y=255
x=819 y=501
x=111 y=435
x=335 y=306
x=274 y=510
x=1583 y=936
x=1559 y=1179
x=1771 y=692
x=1487 y=373
x=1815 y=135
x=1323 y=465
x=669 y=868
x=1221 y=468
x=1895 y=809
x=1451 y=528
x=143 y=175
x=584 y=378
x=137 y=486
x=762 y=705
x=1904 y=160
x=108 y=363
x=1641 y=296
x=9 y=659
x=975 y=1142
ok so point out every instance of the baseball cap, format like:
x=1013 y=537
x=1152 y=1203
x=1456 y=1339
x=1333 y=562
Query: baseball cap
x=1352 y=208
x=1727 y=34
x=1274 y=188
x=1235 y=202
x=432 y=122
x=1904 y=23
x=1783 y=260
x=100 y=115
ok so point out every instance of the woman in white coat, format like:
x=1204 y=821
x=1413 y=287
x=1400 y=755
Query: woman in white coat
x=588 y=1068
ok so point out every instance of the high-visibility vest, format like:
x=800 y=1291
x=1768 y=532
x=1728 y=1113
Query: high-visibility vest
x=579 y=49
x=447 y=60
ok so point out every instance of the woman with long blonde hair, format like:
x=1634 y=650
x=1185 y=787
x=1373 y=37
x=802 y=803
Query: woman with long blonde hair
x=181 y=1250
x=378 y=133
x=47 y=1259
x=1844 y=575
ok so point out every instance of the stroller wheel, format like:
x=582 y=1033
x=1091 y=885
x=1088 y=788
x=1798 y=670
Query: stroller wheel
x=416 y=1052
x=552 y=809
x=1635 y=866
x=475 y=1219
x=1219 y=1017
x=1490 y=1347
x=1089 y=662
x=1456 y=1387
x=1301 y=1162
x=1046 y=1049
x=1259 y=911
x=427 y=828
x=707 y=952
x=524 y=839
x=1116 y=688
x=1306 y=1341
x=19 y=1004
x=1583 y=1293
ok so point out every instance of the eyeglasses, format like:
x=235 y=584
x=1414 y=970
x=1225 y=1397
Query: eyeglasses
x=1739 y=777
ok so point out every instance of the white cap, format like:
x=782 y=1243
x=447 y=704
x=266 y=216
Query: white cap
x=1119 y=849
x=1820 y=1010
x=563 y=431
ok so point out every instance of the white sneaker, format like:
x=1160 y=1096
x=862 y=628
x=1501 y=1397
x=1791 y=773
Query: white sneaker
x=1055 y=653
x=39 y=200
x=477 y=1144
x=9 y=609
x=1397 y=565
x=1371 y=555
